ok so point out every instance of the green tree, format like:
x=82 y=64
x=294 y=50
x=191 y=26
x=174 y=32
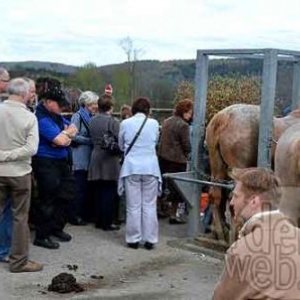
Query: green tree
x=120 y=82
x=223 y=91
x=184 y=89
x=87 y=77
x=162 y=94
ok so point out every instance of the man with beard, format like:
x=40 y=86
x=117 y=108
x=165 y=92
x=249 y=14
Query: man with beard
x=264 y=262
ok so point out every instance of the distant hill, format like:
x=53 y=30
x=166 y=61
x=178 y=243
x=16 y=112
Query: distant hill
x=158 y=79
x=39 y=65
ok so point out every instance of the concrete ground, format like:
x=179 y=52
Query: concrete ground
x=176 y=269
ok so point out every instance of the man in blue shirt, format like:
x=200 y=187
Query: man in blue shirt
x=51 y=168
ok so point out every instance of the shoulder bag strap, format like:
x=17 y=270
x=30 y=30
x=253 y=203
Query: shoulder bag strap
x=85 y=123
x=136 y=136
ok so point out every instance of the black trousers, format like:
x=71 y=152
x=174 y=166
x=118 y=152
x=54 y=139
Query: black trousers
x=167 y=166
x=106 y=193
x=83 y=205
x=56 y=189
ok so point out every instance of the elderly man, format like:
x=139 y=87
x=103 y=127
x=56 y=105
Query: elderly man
x=264 y=262
x=4 y=80
x=32 y=99
x=18 y=143
x=56 y=186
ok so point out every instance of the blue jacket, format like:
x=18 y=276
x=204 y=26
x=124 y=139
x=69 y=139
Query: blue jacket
x=81 y=155
x=50 y=126
x=142 y=158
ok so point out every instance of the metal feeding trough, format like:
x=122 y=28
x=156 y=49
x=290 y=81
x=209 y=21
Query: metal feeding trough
x=189 y=184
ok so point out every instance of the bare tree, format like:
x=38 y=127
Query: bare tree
x=132 y=55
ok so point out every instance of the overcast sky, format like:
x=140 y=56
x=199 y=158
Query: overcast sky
x=80 y=31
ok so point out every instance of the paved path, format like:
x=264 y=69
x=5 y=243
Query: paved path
x=168 y=272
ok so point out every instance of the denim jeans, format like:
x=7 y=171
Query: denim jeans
x=6 y=224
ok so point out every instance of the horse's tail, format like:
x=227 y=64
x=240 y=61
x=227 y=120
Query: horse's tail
x=214 y=132
x=217 y=164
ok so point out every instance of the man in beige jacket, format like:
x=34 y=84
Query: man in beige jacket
x=264 y=263
x=18 y=143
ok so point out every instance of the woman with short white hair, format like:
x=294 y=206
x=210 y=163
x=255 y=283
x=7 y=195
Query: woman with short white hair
x=81 y=155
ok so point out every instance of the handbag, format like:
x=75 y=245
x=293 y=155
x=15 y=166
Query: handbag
x=109 y=142
x=133 y=141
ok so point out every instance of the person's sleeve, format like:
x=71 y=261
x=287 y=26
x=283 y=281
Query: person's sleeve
x=48 y=129
x=79 y=138
x=28 y=149
x=233 y=283
x=184 y=139
x=66 y=122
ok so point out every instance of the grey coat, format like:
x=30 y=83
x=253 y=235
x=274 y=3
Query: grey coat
x=104 y=165
x=81 y=154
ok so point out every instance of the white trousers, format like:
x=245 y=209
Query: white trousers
x=141 y=214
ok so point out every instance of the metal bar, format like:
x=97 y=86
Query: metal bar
x=198 y=181
x=162 y=109
x=296 y=86
x=288 y=52
x=229 y=52
x=198 y=133
x=261 y=56
x=267 y=109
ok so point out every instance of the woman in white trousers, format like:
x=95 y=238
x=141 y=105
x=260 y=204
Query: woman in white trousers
x=140 y=176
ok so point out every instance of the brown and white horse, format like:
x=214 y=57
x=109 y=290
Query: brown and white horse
x=232 y=141
x=287 y=168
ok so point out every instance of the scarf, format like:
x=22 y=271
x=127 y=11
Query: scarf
x=85 y=115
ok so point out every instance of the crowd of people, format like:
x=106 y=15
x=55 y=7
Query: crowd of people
x=56 y=171
x=84 y=168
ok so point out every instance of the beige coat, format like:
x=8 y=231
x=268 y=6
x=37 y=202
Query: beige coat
x=264 y=263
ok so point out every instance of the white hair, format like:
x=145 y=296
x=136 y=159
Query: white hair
x=18 y=86
x=3 y=73
x=87 y=98
x=29 y=80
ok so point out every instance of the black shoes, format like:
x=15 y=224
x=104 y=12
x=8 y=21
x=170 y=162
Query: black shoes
x=46 y=243
x=148 y=246
x=77 y=221
x=176 y=221
x=133 y=245
x=62 y=236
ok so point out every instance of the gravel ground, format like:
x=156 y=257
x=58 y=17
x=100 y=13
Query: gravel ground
x=107 y=269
